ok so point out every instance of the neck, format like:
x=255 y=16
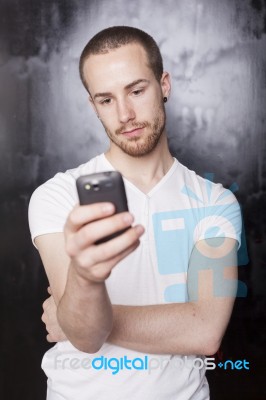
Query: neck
x=146 y=171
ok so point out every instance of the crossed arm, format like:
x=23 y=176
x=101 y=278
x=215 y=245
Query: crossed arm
x=80 y=308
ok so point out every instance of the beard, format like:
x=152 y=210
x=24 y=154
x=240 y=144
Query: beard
x=142 y=145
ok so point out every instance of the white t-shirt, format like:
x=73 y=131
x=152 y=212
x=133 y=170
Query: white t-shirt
x=180 y=210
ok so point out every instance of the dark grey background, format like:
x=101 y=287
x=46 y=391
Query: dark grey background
x=216 y=53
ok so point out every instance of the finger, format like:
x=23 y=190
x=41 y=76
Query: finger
x=49 y=290
x=101 y=271
x=114 y=247
x=82 y=215
x=94 y=231
x=110 y=249
x=43 y=318
x=49 y=338
x=47 y=303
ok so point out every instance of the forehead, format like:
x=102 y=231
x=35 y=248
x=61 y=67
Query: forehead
x=117 y=68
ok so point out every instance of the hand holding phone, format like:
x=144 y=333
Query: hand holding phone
x=103 y=187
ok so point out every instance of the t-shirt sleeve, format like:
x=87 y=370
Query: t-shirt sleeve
x=221 y=218
x=50 y=205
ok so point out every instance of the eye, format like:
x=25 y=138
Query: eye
x=106 y=101
x=137 y=92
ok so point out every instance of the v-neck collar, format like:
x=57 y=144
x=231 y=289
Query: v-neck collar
x=155 y=188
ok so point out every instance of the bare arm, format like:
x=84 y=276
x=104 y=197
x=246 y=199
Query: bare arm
x=196 y=327
x=77 y=269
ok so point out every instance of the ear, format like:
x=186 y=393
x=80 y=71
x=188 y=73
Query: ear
x=165 y=84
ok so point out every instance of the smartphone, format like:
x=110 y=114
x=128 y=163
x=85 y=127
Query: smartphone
x=103 y=187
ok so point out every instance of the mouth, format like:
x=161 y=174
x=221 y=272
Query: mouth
x=133 y=132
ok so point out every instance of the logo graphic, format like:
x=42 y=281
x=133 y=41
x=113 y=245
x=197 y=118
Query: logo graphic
x=177 y=231
x=115 y=365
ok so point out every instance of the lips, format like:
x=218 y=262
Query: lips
x=132 y=132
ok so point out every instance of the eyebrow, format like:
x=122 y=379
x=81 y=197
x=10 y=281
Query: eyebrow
x=129 y=86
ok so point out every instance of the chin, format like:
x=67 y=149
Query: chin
x=138 y=151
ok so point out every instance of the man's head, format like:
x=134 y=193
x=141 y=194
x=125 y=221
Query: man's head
x=126 y=88
x=114 y=37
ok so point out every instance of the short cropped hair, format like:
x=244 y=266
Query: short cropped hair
x=117 y=36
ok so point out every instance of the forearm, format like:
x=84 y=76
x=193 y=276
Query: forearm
x=180 y=328
x=85 y=313
x=195 y=327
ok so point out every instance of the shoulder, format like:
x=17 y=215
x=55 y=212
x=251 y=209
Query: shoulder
x=202 y=189
x=215 y=208
x=51 y=202
x=63 y=185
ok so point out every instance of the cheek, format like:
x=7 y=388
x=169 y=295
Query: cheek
x=154 y=101
x=109 y=123
x=146 y=107
x=107 y=116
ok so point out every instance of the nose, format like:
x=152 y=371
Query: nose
x=125 y=111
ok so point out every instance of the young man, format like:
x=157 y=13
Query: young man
x=149 y=304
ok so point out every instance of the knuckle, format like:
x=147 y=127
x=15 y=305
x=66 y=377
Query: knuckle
x=83 y=261
x=101 y=272
x=100 y=275
x=72 y=218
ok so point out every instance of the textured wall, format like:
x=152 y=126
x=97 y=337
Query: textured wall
x=216 y=54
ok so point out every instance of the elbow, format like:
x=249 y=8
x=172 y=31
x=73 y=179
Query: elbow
x=211 y=345
x=92 y=344
x=205 y=342
x=211 y=348
x=89 y=348
x=85 y=338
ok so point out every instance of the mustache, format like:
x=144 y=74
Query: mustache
x=133 y=125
